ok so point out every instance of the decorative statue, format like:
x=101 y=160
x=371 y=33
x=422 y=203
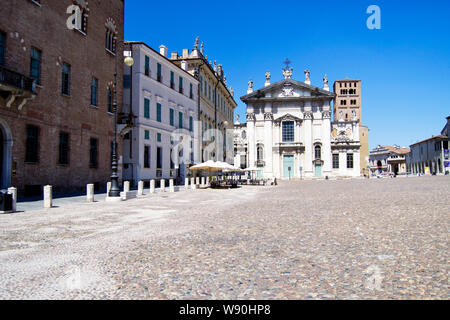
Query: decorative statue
x=341 y=116
x=196 y=43
x=268 y=76
x=354 y=115
x=237 y=118
x=325 y=80
x=201 y=49
x=307 y=75
x=287 y=73
x=250 y=85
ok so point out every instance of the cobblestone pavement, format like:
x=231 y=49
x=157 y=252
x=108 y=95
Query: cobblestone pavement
x=346 y=239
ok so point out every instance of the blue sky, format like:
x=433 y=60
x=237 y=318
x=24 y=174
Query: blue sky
x=404 y=67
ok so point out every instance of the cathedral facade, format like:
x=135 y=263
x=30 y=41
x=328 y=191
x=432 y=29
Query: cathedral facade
x=290 y=133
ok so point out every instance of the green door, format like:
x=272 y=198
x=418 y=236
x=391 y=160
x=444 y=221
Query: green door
x=288 y=162
x=318 y=170
x=260 y=173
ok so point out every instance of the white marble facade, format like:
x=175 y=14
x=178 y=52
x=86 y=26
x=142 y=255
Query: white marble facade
x=289 y=131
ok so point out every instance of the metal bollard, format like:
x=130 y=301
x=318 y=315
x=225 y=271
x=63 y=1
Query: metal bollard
x=163 y=185
x=186 y=183
x=171 y=186
x=193 y=186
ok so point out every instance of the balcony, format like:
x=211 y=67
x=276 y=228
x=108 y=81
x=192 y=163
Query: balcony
x=289 y=144
x=14 y=85
x=260 y=163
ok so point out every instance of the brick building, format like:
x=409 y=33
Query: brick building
x=56 y=75
x=348 y=106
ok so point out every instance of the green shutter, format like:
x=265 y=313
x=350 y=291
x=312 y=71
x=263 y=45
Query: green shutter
x=147 y=65
x=180 y=120
x=147 y=135
x=172 y=121
x=159 y=137
x=146 y=108
x=191 y=124
x=158 y=112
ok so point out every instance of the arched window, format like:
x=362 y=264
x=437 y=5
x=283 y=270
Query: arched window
x=260 y=153
x=111 y=35
x=318 y=152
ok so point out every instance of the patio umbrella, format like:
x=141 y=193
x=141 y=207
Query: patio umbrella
x=208 y=166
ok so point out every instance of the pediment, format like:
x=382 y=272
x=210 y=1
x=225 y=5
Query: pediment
x=288 y=88
x=288 y=117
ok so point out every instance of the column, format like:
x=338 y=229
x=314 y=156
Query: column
x=268 y=141
x=326 y=143
x=308 y=166
x=276 y=152
x=251 y=130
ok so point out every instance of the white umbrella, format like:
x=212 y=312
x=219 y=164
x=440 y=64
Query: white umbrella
x=208 y=165
x=252 y=169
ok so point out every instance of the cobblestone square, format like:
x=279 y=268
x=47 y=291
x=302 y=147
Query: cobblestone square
x=343 y=239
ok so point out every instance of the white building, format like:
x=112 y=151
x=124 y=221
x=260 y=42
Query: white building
x=290 y=133
x=163 y=99
x=389 y=159
x=216 y=103
x=240 y=144
x=431 y=156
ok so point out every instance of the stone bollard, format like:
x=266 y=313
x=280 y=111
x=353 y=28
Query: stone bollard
x=90 y=193
x=141 y=188
x=193 y=186
x=197 y=181
x=186 y=183
x=163 y=185
x=126 y=186
x=152 y=186
x=171 y=186
x=108 y=188
x=203 y=182
x=48 y=197
x=13 y=191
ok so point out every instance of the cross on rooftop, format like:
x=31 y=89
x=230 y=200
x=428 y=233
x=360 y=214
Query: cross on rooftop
x=287 y=63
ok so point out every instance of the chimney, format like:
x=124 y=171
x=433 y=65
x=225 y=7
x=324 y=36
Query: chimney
x=184 y=65
x=174 y=55
x=163 y=50
x=185 y=53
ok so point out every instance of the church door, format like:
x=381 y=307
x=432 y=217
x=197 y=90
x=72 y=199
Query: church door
x=318 y=172
x=288 y=163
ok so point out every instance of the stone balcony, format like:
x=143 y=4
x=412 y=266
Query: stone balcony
x=15 y=86
x=289 y=145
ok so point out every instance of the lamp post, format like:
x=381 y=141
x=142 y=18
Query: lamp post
x=115 y=191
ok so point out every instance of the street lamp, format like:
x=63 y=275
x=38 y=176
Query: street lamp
x=114 y=192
